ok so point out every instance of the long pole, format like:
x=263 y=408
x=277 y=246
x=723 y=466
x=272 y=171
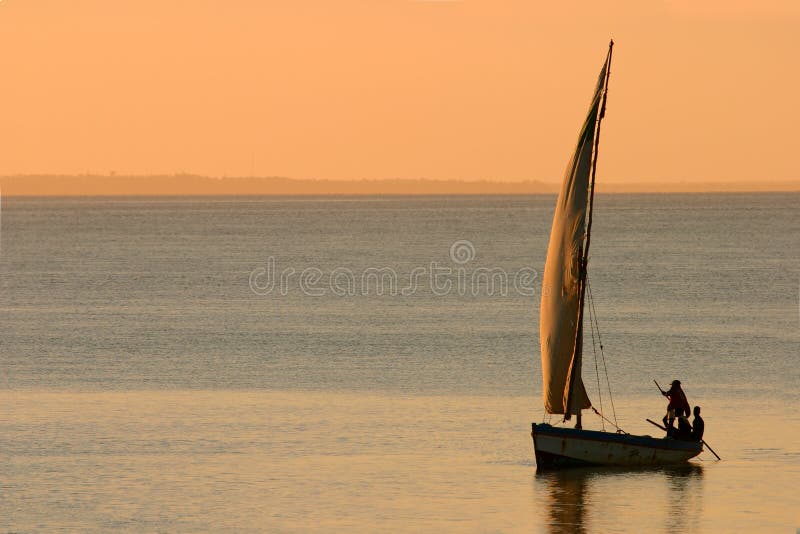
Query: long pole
x=656 y=424
x=659 y=387
x=712 y=450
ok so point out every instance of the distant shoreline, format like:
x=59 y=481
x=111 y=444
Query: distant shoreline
x=193 y=185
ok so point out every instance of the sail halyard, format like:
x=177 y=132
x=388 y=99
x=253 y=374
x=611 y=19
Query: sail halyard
x=575 y=367
x=564 y=280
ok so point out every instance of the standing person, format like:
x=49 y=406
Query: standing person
x=678 y=405
x=698 y=425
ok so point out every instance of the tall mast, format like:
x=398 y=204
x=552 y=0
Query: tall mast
x=584 y=260
x=594 y=169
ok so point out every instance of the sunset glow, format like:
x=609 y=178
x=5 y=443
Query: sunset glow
x=351 y=90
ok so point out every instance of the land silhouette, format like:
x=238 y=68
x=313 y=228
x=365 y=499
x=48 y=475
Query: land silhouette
x=195 y=185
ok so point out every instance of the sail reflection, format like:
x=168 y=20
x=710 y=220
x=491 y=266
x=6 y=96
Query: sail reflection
x=575 y=498
x=566 y=499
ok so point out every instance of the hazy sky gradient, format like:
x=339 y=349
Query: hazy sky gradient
x=344 y=89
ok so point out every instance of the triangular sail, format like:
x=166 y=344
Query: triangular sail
x=560 y=313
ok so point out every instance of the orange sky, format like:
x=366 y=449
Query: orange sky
x=342 y=89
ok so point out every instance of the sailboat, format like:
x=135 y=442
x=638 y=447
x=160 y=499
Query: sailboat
x=561 y=324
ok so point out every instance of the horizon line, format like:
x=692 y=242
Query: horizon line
x=186 y=184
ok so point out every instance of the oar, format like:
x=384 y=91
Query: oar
x=656 y=424
x=659 y=387
x=712 y=450
x=704 y=441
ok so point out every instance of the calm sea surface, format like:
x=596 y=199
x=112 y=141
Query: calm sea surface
x=372 y=364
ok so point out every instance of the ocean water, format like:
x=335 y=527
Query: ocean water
x=370 y=364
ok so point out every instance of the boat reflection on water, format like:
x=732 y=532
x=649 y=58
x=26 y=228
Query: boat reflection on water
x=669 y=497
x=686 y=496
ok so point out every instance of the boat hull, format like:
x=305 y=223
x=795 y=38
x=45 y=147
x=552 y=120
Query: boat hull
x=559 y=448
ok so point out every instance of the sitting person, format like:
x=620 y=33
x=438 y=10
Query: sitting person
x=698 y=425
x=684 y=431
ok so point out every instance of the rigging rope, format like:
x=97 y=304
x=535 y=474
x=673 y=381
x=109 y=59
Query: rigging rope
x=596 y=370
x=619 y=430
x=595 y=326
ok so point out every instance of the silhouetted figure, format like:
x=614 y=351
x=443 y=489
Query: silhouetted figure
x=678 y=405
x=684 y=429
x=698 y=425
